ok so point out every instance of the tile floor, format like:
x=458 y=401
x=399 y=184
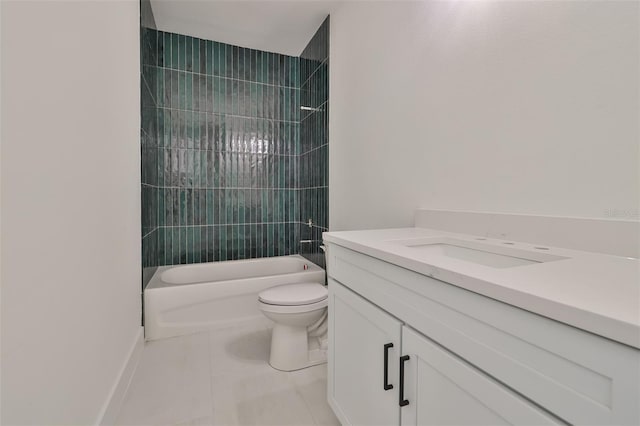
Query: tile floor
x=223 y=378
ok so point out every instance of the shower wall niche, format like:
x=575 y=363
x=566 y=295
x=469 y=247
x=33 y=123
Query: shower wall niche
x=222 y=149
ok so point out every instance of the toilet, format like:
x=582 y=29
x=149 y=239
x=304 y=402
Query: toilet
x=299 y=313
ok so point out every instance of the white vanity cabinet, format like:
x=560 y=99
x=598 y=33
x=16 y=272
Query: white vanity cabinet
x=461 y=358
x=365 y=344
x=366 y=386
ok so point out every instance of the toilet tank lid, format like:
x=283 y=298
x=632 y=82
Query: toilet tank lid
x=294 y=294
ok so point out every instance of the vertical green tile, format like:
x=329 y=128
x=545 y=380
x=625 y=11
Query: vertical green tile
x=221 y=59
x=197 y=244
x=189 y=91
x=240 y=206
x=229 y=204
x=228 y=60
x=196 y=169
x=258 y=66
x=195 y=67
x=184 y=244
x=166 y=53
x=160 y=167
x=174 y=51
x=182 y=90
x=188 y=231
x=206 y=159
x=160 y=90
x=196 y=92
x=188 y=54
x=211 y=246
x=259 y=101
x=231 y=255
x=182 y=54
x=222 y=239
x=236 y=61
x=183 y=207
x=247 y=65
x=197 y=124
x=209 y=216
x=232 y=93
x=189 y=129
x=215 y=82
x=175 y=246
x=211 y=57
x=270 y=242
x=236 y=241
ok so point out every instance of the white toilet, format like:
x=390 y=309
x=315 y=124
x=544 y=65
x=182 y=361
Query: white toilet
x=299 y=311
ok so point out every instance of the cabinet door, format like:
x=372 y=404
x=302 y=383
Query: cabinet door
x=442 y=389
x=358 y=333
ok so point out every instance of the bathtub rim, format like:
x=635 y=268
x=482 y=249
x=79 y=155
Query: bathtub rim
x=156 y=282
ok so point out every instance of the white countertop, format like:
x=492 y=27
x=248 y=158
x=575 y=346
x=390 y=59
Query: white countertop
x=596 y=292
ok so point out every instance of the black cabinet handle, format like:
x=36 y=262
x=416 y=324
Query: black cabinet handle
x=386 y=384
x=403 y=401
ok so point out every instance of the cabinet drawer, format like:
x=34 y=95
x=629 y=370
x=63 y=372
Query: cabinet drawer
x=579 y=377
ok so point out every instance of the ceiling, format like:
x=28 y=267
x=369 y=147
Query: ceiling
x=270 y=25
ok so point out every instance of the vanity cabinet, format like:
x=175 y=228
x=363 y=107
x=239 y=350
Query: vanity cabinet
x=465 y=358
x=365 y=344
x=385 y=373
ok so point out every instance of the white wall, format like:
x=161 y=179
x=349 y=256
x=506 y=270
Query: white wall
x=70 y=206
x=523 y=107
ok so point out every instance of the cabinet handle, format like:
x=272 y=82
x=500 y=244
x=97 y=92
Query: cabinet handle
x=403 y=401
x=386 y=384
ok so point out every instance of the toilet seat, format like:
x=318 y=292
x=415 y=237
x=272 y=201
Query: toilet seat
x=294 y=294
x=292 y=309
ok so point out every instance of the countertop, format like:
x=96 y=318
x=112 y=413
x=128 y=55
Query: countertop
x=595 y=292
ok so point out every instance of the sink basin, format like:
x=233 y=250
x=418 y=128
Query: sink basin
x=476 y=252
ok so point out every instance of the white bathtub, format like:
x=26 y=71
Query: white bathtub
x=185 y=299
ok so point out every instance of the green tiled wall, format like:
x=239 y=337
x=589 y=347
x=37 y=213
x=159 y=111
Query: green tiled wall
x=149 y=164
x=230 y=166
x=222 y=164
x=314 y=146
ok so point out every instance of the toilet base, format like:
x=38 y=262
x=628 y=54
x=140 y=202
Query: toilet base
x=292 y=348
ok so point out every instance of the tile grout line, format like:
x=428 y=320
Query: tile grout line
x=225 y=115
x=314 y=149
x=229 y=151
x=153 y=95
x=150 y=232
x=314 y=71
x=221 y=76
x=235 y=188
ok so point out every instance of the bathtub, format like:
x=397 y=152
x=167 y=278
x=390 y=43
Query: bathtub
x=186 y=299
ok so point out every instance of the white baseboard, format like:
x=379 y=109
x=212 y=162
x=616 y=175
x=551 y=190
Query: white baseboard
x=114 y=402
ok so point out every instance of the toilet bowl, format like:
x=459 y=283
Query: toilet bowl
x=299 y=313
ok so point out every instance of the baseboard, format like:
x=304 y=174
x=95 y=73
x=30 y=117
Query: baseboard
x=114 y=402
